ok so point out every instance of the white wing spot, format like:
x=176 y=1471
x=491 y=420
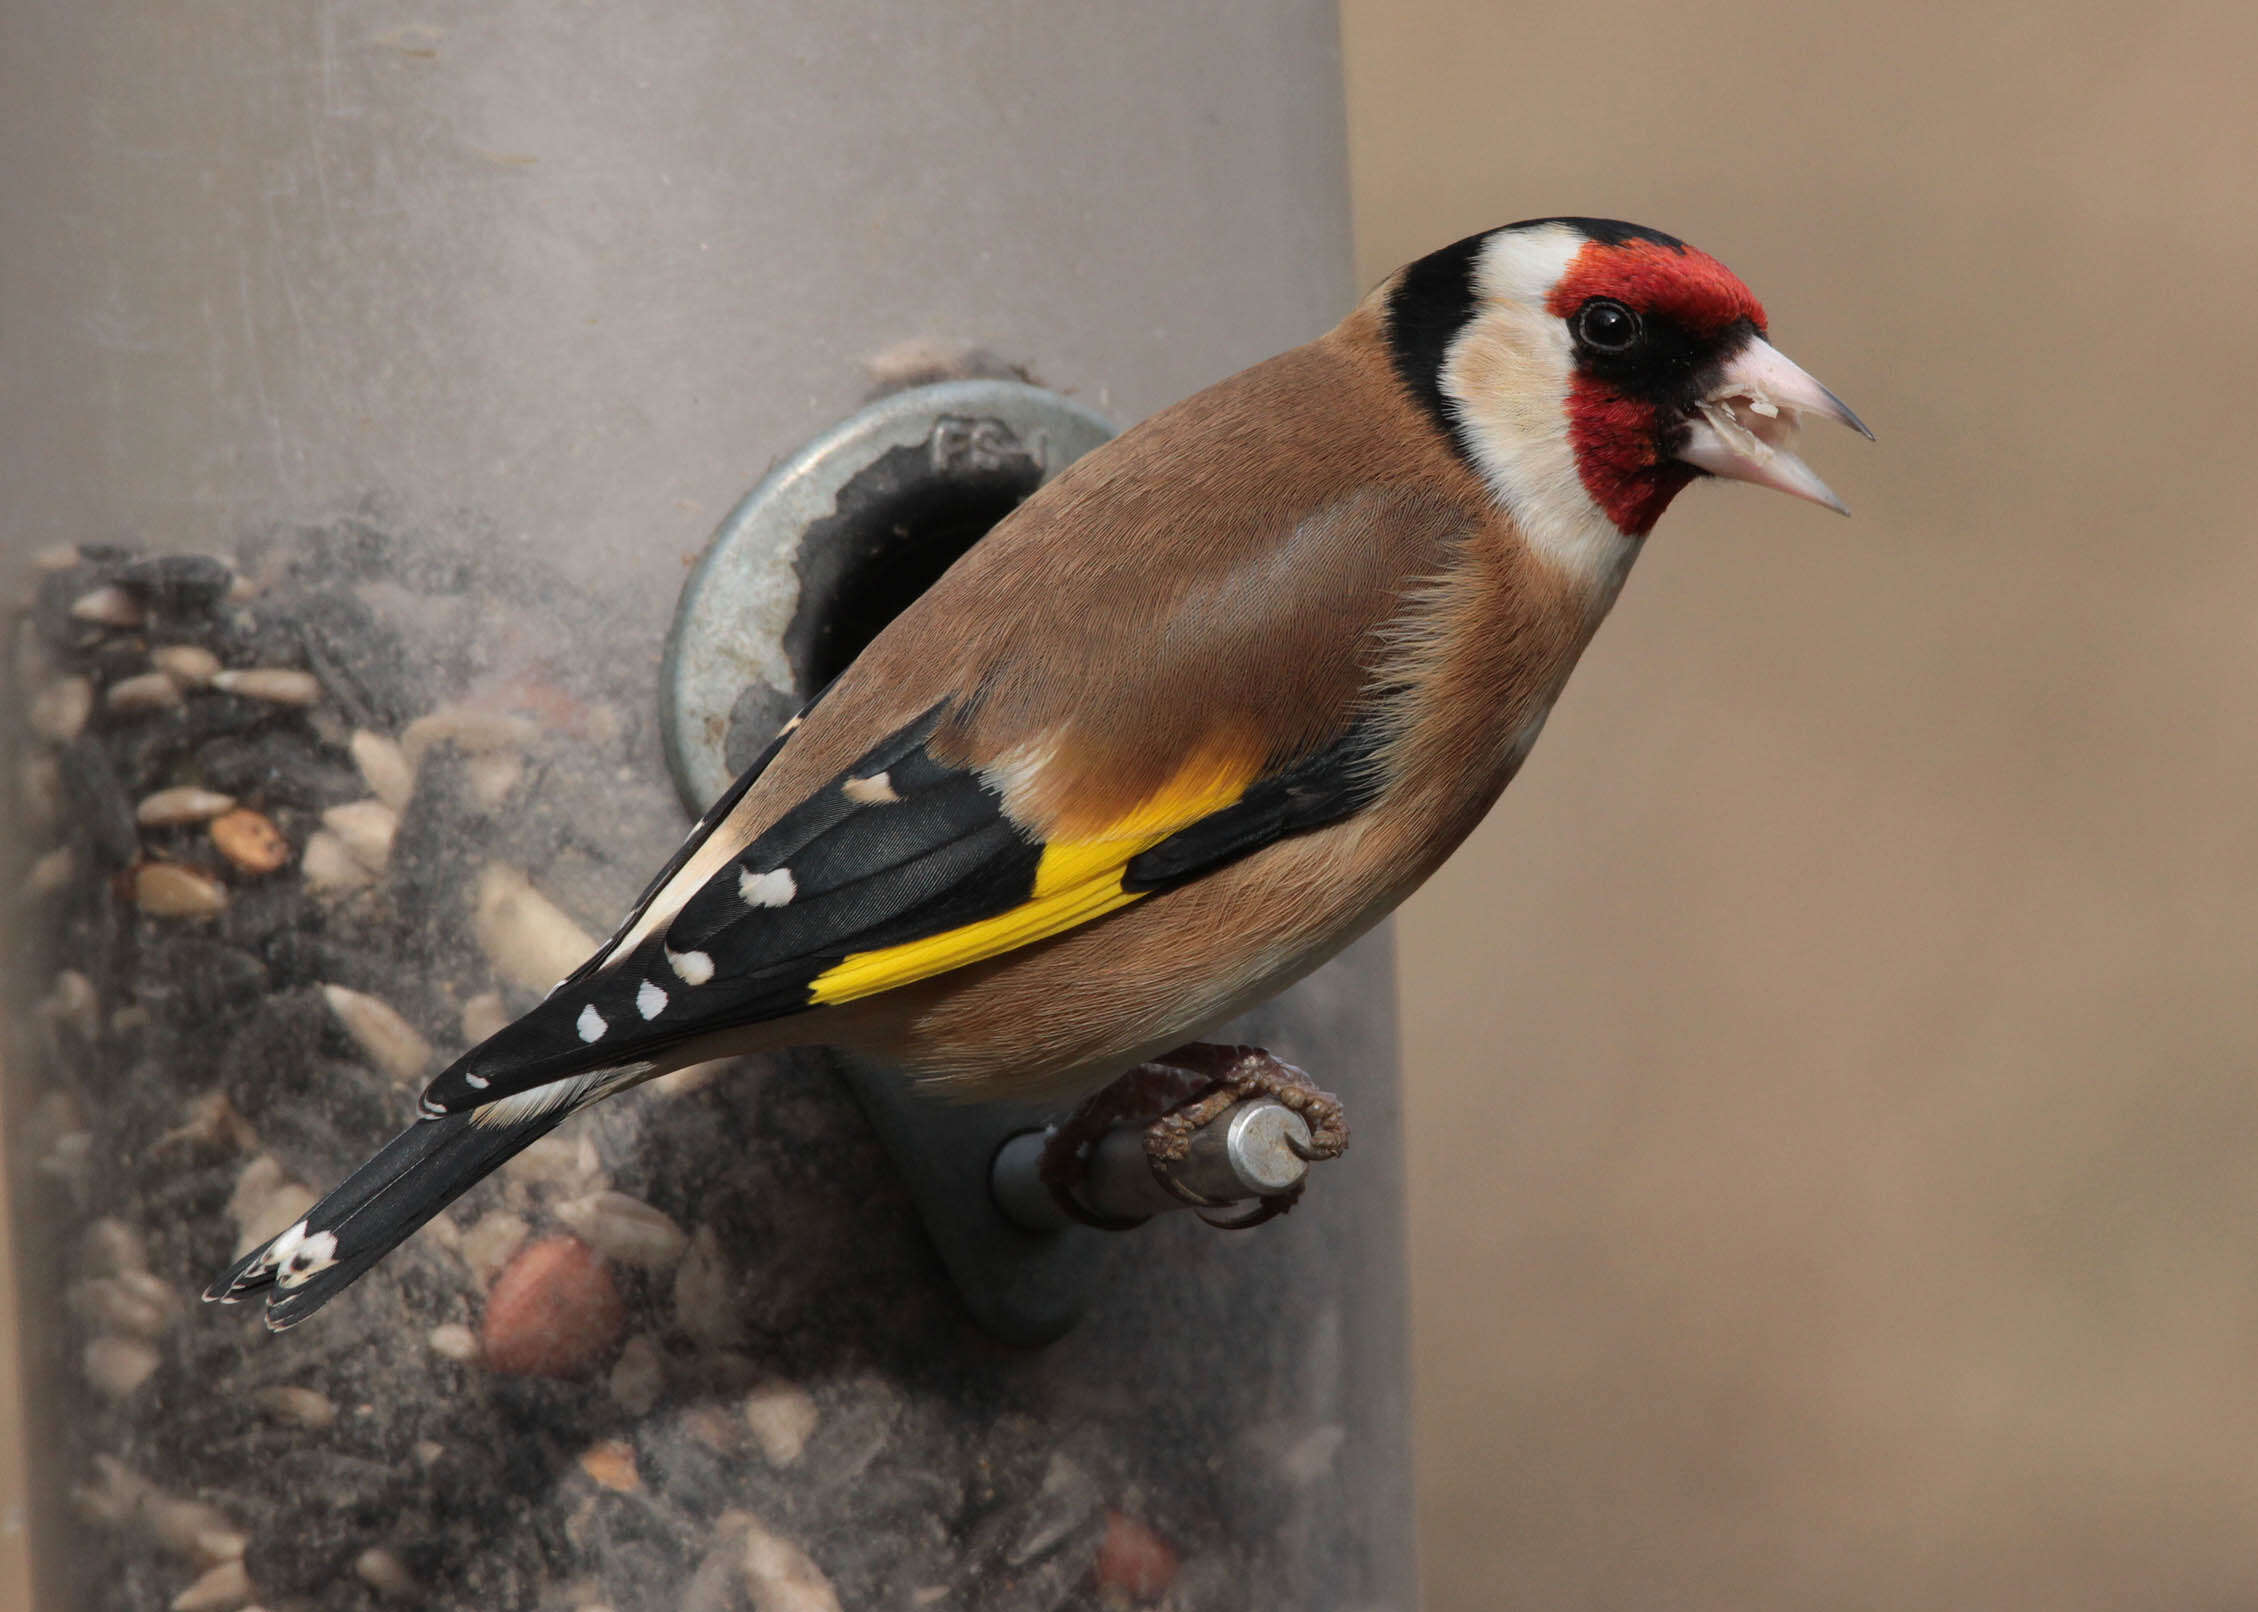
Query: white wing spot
x=875 y=791
x=766 y=889
x=695 y=967
x=590 y=1024
x=650 y=1001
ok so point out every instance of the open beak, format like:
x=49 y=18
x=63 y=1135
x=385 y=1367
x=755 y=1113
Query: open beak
x=1742 y=428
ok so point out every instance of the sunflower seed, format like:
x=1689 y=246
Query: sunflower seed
x=151 y=691
x=116 y=1494
x=385 y=1573
x=626 y=1230
x=781 y=1417
x=190 y=1527
x=531 y=941
x=189 y=665
x=390 y=1041
x=483 y=1016
x=471 y=729
x=169 y=808
x=705 y=1293
x=638 y=1377
x=265 y=1202
x=108 y=606
x=365 y=828
x=296 y=1407
x=780 y=1576
x=117 y=1366
x=168 y=890
x=222 y=1589
x=454 y=1341
x=137 y=1304
x=275 y=684
x=490 y=1243
x=110 y=1247
x=51 y=872
x=385 y=765
x=330 y=868
x=493 y=776
x=71 y=1000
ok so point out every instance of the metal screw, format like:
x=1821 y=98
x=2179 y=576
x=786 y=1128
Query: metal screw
x=1247 y=1151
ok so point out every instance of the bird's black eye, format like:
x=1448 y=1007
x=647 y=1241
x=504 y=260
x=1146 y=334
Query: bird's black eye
x=1606 y=326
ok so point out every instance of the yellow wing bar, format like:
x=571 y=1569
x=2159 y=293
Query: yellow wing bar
x=1075 y=881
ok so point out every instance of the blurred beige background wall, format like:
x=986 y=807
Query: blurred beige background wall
x=1831 y=1068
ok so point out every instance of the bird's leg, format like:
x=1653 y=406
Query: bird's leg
x=1178 y=1093
x=1143 y=1092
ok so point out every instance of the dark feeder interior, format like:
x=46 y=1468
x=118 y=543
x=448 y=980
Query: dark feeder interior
x=898 y=524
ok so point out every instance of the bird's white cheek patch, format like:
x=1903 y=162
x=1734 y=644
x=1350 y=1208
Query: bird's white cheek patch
x=772 y=889
x=1508 y=376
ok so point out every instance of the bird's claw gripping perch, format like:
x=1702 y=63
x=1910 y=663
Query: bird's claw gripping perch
x=1181 y=1095
x=1235 y=1074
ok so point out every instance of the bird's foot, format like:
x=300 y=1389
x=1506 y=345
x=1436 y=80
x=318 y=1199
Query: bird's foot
x=1177 y=1095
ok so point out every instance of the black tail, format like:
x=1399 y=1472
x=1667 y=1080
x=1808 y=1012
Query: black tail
x=411 y=1178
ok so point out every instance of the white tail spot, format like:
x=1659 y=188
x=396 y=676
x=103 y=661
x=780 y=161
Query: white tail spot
x=309 y=1259
x=590 y=1024
x=695 y=967
x=650 y=1001
x=283 y=1247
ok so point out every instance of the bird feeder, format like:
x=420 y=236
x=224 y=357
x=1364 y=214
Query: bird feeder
x=438 y=447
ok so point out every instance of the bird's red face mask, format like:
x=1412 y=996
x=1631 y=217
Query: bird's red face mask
x=1673 y=379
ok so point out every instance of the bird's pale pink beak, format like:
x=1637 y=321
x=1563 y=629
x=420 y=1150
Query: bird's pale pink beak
x=1742 y=428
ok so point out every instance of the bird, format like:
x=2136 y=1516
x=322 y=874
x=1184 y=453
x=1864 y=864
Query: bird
x=1200 y=711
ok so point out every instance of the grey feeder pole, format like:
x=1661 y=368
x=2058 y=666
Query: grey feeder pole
x=367 y=386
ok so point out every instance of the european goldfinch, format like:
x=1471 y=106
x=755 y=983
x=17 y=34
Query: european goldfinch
x=1191 y=719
